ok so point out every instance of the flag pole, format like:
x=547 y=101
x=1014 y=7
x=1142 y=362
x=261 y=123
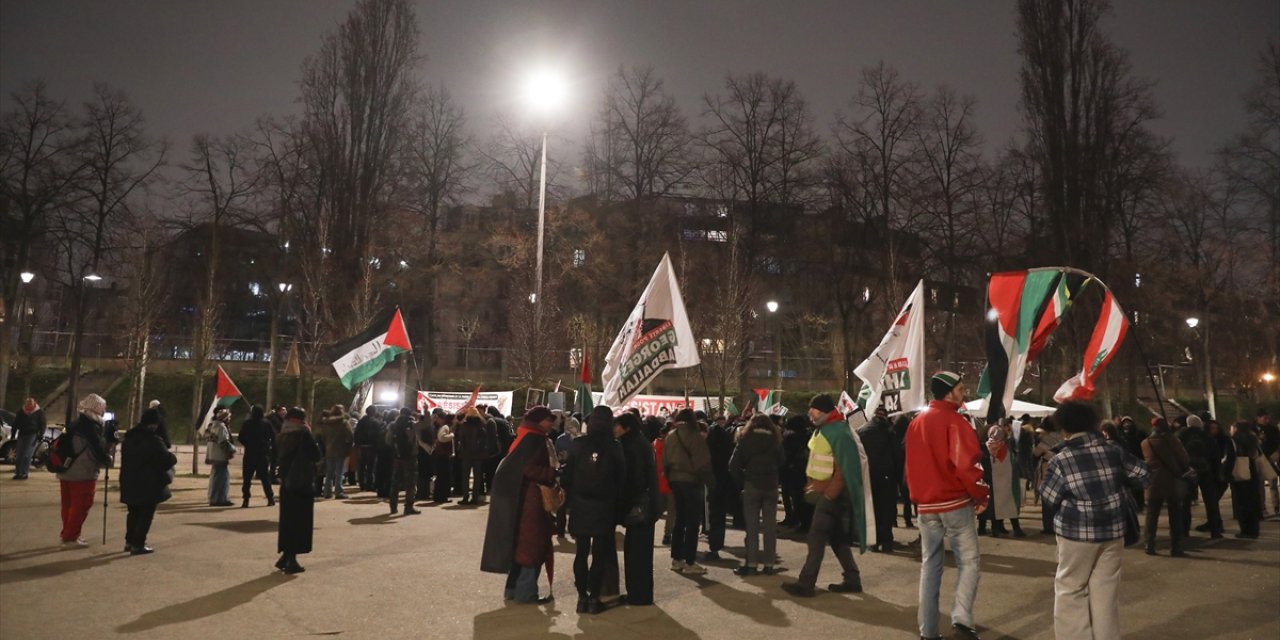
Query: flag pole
x=1133 y=322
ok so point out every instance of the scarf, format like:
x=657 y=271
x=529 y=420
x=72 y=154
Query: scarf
x=525 y=429
x=996 y=444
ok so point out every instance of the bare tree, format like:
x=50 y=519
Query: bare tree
x=38 y=169
x=142 y=303
x=639 y=147
x=119 y=160
x=512 y=156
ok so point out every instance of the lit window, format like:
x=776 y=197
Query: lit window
x=1137 y=280
x=866 y=294
x=255 y=289
x=579 y=257
x=722 y=211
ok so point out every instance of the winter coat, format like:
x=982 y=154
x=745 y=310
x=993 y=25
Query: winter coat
x=518 y=529
x=884 y=453
x=27 y=424
x=1202 y=451
x=594 y=476
x=474 y=441
x=257 y=437
x=1168 y=461
x=337 y=435
x=215 y=450
x=642 y=474
x=943 y=466
x=145 y=466
x=757 y=460
x=402 y=437
x=297 y=508
x=685 y=456
x=720 y=446
x=367 y=431
x=90 y=449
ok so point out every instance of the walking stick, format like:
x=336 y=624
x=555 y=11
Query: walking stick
x=106 y=488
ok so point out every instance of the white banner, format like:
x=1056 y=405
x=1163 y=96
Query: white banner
x=453 y=401
x=653 y=405
x=893 y=375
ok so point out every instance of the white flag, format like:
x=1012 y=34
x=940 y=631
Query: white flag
x=656 y=336
x=893 y=375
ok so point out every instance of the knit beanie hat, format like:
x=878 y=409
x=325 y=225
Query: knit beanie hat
x=1194 y=422
x=943 y=382
x=823 y=402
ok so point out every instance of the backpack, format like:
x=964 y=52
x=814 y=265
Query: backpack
x=62 y=453
x=590 y=479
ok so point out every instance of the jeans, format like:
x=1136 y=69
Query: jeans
x=760 y=509
x=77 y=499
x=26 y=447
x=256 y=465
x=333 y=477
x=1086 y=590
x=522 y=583
x=689 y=509
x=828 y=529
x=219 y=483
x=959 y=529
x=590 y=579
x=472 y=480
x=138 y=524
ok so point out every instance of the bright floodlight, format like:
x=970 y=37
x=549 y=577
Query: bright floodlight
x=284 y=287
x=545 y=90
x=1193 y=322
x=93 y=277
x=27 y=277
x=771 y=305
x=1268 y=377
x=388 y=396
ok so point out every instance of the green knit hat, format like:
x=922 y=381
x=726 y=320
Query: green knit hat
x=943 y=382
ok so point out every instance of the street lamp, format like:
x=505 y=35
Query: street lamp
x=284 y=287
x=27 y=277
x=276 y=309
x=1268 y=377
x=544 y=91
x=1193 y=322
x=93 y=277
x=772 y=306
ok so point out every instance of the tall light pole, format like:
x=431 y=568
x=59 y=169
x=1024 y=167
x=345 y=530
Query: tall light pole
x=544 y=92
x=772 y=306
x=284 y=288
x=1207 y=369
x=27 y=320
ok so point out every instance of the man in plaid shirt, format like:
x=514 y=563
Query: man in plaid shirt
x=1084 y=486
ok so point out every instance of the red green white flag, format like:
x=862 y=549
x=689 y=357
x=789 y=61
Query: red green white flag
x=364 y=355
x=227 y=392
x=768 y=400
x=1107 y=336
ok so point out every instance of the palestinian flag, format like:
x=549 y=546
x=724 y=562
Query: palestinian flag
x=583 y=401
x=227 y=392
x=1016 y=300
x=364 y=355
x=1069 y=285
x=1107 y=336
x=767 y=400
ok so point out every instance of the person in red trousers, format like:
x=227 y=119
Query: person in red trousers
x=79 y=482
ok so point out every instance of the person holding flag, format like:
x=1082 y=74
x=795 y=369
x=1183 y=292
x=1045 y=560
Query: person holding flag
x=218 y=453
x=835 y=487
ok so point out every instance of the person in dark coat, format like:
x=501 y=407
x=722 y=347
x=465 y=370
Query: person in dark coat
x=594 y=476
x=719 y=500
x=1203 y=453
x=884 y=462
x=795 y=451
x=403 y=437
x=298 y=455
x=1246 y=493
x=28 y=426
x=517 y=538
x=754 y=466
x=258 y=439
x=442 y=456
x=641 y=491
x=276 y=419
x=1168 y=460
x=1131 y=438
x=146 y=469
x=367 y=432
x=386 y=455
x=904 y=493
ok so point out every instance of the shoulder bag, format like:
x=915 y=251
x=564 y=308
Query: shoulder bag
x=552 y=495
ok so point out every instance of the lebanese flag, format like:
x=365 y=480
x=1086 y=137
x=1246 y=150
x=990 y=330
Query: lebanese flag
x=364 y=355
x=227 y=392
x=1107 y=336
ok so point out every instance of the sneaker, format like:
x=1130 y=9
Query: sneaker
x=677 y=565
x=141 y=551
x=964 y=632
x=711 y=556
x=78 y=543
x=798 y=590
x=693 y=569
x=768 y=570
x=745 y=571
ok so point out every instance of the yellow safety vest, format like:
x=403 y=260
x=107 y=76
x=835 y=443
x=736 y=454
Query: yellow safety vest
x=822 y=460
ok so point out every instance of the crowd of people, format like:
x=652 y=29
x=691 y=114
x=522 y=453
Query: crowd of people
x=559 y=474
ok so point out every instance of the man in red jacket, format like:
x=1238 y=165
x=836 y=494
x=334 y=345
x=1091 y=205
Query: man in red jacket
x=944 y=476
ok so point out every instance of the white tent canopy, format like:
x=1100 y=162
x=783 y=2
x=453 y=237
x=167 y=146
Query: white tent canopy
x=1020 y=407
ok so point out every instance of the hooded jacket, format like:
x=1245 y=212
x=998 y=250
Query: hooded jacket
x=685 y=456
x=757 y=459
x=144 y=468
x=594 y=476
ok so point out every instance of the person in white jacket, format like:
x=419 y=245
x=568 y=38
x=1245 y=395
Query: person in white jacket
x=218 y=453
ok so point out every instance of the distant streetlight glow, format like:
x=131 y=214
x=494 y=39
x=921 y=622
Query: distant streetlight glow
x=27 y=277
x=284 y=287
x=1268 y=377
x=1193 y=322
x=93 y=277
x=388 y=396
x=772 y=306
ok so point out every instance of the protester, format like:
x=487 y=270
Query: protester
x=146 y=470
x=163 y=429
x=668 y=499
x=276 y=418
x=217 y=454
x=835 y=486
x=475 y=442
x=1169 y=463
x=337 y=438
x=884 y=458
x=257 y=438
x=795 y=450
x=595 y=477
x=720 y=499
x=755 y=465
x=1006 y=485
x=386 y=455
x=567 y=429
x=945 y=479
x=402 y=436
x=517 y=539
x=442 y=457
x=79 y=482
x=1204 y=457
x=1084 y=486
x=1048 y=438
x=1268 y=435
x=687 y=463
x=1246 y=480
x=366 y=439
x=904 y=493
x=298 y=455
x=28 y=426
x=641 y=504
x=426 y=439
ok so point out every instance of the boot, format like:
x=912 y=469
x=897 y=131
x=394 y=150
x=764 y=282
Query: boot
x=271 y=501
x=1017 y=529
x=998 y=530
x=594 y=606
x=982 y=527
x=582 y=603
x=292 y=566
x=245 y=504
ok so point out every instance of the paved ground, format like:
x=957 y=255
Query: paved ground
x=374 y=575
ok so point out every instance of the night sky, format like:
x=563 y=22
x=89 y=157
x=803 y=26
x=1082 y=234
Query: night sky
x=215 y=66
